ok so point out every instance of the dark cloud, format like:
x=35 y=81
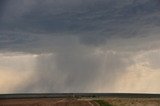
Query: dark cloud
x=92 y=21
x=2 y=5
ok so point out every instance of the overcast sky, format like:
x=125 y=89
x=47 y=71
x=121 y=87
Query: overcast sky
x=79 y=46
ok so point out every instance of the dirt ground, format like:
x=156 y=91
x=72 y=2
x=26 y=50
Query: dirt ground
x=133 y=102
x=46 y=102
x=78 y=102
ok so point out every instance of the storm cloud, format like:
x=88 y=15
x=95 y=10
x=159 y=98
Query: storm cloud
x=79 y=45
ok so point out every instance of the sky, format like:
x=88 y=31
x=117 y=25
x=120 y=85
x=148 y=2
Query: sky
x=79 y=46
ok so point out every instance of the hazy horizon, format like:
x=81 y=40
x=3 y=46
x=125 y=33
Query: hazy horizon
x=94 y=46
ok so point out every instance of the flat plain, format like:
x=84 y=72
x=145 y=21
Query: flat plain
x=79 y=100
x=47 y=102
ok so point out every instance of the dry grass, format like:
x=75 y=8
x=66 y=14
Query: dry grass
x=79 y=102
x=134 y=102
x=44 y=102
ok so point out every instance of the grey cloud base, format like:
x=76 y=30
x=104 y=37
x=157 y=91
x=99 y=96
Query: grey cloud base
x=93 y=22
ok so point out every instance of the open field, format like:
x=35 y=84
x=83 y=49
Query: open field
x=133 y=102
x=47 y=102
x=79 y=100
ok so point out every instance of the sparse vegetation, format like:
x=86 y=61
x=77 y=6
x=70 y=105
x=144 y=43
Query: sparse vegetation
x=81 y=102
x=102 y=103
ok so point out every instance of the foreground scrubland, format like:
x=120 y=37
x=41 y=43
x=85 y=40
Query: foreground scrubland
x=81 y=102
